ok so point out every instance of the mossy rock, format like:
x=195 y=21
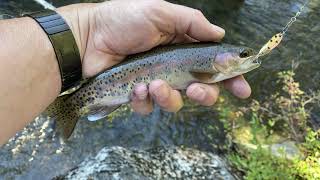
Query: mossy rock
x=279 y=146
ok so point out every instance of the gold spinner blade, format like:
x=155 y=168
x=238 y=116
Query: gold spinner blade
x=271 y=44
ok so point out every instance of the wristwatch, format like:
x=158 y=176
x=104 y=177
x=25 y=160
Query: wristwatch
x=64 y=44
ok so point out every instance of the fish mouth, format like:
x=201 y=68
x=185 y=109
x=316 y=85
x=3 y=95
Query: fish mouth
x=249 y=60
x=236 y=61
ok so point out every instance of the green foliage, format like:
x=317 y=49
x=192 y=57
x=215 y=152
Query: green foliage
x=309 y=168
x=285 y=112
x=261 y=164
x=283 y=115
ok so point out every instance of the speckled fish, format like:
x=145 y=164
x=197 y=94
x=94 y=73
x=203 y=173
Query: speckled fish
x=179 y=65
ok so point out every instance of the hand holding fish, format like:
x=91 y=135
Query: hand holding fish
x=107 y=32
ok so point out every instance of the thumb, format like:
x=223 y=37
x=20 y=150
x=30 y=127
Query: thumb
x=193 y=23
x=97 y=61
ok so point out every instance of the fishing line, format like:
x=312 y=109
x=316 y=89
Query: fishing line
x=294 y=18
x=276 y=39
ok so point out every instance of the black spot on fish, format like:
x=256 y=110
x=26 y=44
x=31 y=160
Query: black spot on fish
x=268 y=47
x=270 y=40
x=276 y=41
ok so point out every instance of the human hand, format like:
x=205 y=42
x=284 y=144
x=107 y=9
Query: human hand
x=107 y=32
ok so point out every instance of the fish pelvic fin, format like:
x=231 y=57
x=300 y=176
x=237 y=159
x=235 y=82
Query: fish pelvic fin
x=101 y=112
x=65 y=114
x=203 y=77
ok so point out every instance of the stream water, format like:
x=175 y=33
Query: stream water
x=37 y=153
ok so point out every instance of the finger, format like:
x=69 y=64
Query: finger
x=193 y=23
x=167 y=98
x=203 y=94
x=140 y=100
x=175 y=39
x=238 y=86
x=183 y=39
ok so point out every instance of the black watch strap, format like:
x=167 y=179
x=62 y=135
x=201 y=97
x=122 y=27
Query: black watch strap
x=64 y=45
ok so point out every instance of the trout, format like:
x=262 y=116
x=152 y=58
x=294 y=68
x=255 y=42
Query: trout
x=179 y=65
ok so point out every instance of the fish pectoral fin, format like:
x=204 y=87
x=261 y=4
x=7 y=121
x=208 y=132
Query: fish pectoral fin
x=101 y=112
x=203 y=77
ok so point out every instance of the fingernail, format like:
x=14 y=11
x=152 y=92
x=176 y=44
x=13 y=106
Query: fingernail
x=246 y=90
x=198 y=94
x=219 y=30
x=161 y=93
x=240 y=88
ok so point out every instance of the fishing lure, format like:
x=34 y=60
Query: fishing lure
x=270 y=45
x=276 y=39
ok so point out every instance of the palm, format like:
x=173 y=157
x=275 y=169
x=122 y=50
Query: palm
x=142 y=32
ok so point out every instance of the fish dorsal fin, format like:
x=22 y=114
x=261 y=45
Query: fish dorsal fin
x=97 y=113
x=203 y=77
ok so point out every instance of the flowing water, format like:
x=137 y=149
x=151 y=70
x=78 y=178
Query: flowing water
x=37 y=153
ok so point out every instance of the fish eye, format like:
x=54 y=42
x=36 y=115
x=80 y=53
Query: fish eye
x=246 y=53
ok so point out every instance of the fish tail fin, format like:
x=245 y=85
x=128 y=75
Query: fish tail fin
x=65 y=115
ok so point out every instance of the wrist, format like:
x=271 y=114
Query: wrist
x=77 y=17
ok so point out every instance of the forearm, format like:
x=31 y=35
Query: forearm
x=29 y=74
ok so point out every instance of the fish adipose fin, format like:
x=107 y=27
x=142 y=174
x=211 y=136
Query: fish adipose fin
x=101 y=112
x=65 y=114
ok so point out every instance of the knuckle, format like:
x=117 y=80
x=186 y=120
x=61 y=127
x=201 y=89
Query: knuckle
x=198 y=13
x=160 y=92
x=152 y=5
x=141 y=91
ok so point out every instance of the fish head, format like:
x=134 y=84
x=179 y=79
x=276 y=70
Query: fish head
x=235 y=60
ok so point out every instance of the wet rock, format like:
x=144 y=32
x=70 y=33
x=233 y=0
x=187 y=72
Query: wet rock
x=156 y=163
